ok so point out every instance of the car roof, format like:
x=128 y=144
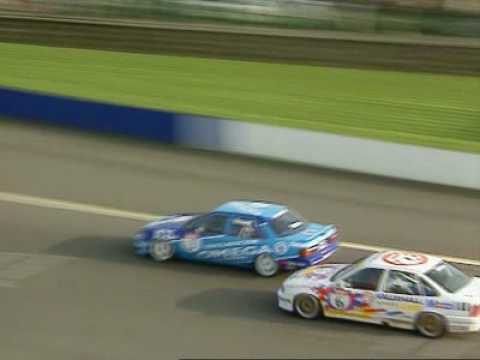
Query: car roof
x=403 y=261
x=263 y=209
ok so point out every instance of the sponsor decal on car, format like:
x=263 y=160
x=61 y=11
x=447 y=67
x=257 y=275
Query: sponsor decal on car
x=234 y=252
x=402 y=258
x=341 y=302
x=280 y=248
x=191 y=242
x=244 y=251
x=226 y=244
x=401 y=306
x=164 y=234
x=394 y=313
x=400 y=298
x=432 y=303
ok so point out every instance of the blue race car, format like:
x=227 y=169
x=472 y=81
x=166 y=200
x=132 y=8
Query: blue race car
x=261 y=235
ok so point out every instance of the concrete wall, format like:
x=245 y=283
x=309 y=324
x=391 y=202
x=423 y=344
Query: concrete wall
x=336 y=151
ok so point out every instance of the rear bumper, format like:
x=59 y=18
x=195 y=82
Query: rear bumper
x=312 y=259
x=463 y=324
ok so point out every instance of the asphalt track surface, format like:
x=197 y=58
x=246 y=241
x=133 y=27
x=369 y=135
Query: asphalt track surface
x=70 y=287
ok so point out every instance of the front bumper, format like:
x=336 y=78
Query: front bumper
x=284 y=302
x=141 y=247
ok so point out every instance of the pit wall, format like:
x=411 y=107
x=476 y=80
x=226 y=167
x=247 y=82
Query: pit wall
x=361 y=155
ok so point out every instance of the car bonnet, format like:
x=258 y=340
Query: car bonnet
x=472 y=290
x=314 y=276
x=172 y=221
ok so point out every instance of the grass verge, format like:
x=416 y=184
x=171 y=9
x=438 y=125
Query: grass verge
x=432 y=110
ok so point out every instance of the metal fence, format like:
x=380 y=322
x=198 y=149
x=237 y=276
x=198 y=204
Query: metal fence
x=442 y=17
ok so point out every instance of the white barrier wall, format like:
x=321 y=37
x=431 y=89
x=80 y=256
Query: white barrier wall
x=309 y=147
x=335 y=151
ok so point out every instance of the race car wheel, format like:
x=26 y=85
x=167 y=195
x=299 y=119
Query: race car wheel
x=265 y=265
x=431 y=325
x=307 y=306
x=161 y=250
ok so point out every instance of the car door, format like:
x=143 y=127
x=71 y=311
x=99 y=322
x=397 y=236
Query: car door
x=244 y=240
x=402 y=297
x=354 y=296
x=203 y=236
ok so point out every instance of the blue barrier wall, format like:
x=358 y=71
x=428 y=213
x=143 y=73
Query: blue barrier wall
x=89 y=115
x=313 y=148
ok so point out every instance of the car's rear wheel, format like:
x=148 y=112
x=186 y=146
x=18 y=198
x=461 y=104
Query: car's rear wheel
x=307 y=306
x=161 y=250
x=431 y=325
x=265 y=265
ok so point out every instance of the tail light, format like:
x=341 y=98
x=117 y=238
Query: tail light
x=475 y=310
x=304 y=252
x=332 y=238
x=308 y=251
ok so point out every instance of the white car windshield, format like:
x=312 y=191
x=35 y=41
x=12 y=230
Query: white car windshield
x=448 y=277
x=357 y=264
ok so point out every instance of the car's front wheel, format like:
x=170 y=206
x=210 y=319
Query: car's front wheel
x=161 y=250
x=431 y=325
x=307 y=306
x=265 y=265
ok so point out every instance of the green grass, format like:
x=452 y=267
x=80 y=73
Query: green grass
x=433 y=110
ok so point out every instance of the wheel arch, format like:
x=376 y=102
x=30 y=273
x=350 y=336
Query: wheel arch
x=435 y=312
x=308 y=292
x=430 y=311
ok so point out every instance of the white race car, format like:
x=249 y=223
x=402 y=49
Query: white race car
x=404 y=290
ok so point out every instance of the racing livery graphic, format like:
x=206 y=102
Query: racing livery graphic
x=404 y=290
x=264 y=236
x=344 y=302
x=399 y=258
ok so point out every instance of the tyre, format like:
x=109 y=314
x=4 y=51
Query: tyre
x=431 y=325
x=265 y=265
x=161 y=250
x=307 y=306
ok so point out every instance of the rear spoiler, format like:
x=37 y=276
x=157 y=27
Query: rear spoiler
x=330 y=227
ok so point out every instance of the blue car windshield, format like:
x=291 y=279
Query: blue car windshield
x=288 y=223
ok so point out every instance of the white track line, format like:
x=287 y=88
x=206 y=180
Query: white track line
x=106 y=211
x=72 y=206
x=373 y=248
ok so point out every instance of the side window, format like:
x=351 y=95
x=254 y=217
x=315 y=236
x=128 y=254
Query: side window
x=195 y=223
x=399 y=282
x=427 y=289
x=243 y=227
x=365 y=279
x=207 y=225
x=214 y=225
